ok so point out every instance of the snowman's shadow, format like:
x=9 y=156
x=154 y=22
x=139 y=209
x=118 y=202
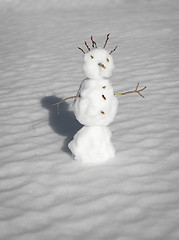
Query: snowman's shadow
x=64 y=123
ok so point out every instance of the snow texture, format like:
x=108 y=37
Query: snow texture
x=91 y=66
x=44 y=194
x=92 y=145
x=97 y=105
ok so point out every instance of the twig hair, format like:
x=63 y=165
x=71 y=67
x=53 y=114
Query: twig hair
x=93 y=42
x=113 y=50
x=87 y=46
x=81 y=50
x=94 y=45
x=107 y=38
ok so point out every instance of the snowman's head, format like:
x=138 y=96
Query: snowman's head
x=98 y=62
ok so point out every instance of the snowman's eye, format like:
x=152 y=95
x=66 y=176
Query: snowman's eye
x=92 y=57
x=107 y=59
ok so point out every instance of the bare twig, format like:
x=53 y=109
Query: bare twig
x=63 y=101
x=107 y=38
x=77 y=96
x=134 y=91
x=113 y=50
x=87 y=46
x=81 y=50
x=93 y=42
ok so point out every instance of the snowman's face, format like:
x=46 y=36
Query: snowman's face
x=98 y=63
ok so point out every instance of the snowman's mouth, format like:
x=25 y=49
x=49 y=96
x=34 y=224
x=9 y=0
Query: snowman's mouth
x=101 y=65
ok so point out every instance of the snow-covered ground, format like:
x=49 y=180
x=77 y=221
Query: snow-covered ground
x=44 y=193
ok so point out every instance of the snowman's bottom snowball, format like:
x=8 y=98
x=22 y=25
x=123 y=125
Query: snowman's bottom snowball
x=92 y=144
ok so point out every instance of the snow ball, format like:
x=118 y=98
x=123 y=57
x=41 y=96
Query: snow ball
x=92 y=145
x=98 y=64
x=97 y=105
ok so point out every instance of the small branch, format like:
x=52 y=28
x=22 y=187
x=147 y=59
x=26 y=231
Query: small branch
x=134 y=91
x=81 y=50
x=87 y=46
x=63 y=101
x=95 y=44
x=92 y=41
x=113 y=50
x=107 y=38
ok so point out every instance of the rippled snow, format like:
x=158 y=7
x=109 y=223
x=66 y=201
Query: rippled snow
x=44 y=194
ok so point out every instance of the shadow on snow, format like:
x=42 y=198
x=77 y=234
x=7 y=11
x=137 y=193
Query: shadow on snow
x=64 y=124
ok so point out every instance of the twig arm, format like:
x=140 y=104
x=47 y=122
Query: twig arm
x=134 y=91
x=77 y=96
x=63 y=101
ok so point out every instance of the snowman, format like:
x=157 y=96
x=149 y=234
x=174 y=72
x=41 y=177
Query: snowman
x=95 y=107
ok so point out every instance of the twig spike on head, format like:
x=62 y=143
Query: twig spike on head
x=87 y=46
x=107 y=38
x=113 y=50
x=81 y=50
x=92 y=41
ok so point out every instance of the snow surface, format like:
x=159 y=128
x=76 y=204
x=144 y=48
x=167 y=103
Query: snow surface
x=44 y=193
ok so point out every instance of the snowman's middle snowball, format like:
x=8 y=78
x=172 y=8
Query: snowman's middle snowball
x=97 y=105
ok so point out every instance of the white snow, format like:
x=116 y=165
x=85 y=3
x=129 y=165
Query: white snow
x=97 y=105
x=92 y=145
x=44 y=193
x=91 y=66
